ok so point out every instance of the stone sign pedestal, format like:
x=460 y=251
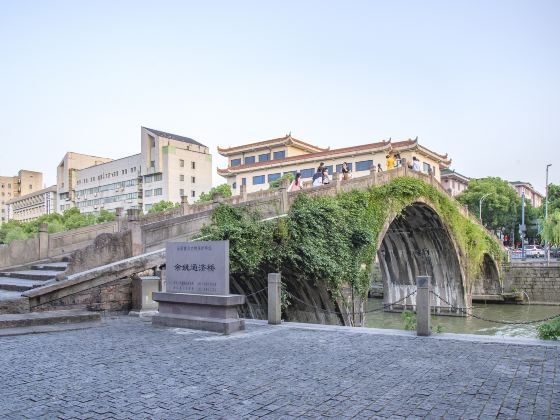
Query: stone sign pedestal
x=197 y=289
x=217 y=313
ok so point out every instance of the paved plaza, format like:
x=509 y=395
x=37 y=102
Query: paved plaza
x=128 y=369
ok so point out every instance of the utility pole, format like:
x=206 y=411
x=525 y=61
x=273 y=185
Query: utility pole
x=546 y=244
x=522 y=227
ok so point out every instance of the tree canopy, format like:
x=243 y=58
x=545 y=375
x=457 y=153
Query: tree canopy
x=551 y=231
x=163 y=206
x=501 y=208
x=223 y=189
x=70 y=219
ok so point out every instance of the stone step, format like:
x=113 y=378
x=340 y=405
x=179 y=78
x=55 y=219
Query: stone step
x=47 y=318
x=43 y=275
x=55 y=266
x=18 y=285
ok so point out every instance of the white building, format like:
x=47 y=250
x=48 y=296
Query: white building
x=168 y=167
x=32 y=206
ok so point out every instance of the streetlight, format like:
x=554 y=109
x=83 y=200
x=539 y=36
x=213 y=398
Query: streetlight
x=546 y=246
x=480 y=206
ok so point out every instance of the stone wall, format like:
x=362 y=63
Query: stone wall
x=111 y=297
x=541 y=283
x=106 y=248
x=19 y=252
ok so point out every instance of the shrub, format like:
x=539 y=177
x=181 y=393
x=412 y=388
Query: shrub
x=549 y=330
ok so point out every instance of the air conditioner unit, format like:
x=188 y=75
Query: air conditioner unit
x=95 y=207
x=95 y=195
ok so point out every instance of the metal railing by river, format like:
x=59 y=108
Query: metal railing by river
x=471 y=325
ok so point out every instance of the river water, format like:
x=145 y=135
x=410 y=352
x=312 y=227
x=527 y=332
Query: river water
x=463 y=325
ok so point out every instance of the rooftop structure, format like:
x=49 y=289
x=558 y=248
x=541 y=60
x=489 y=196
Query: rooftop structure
x=257 y=164
x=453 y=181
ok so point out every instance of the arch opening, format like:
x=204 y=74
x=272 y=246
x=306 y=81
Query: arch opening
x=489 y=282
x=417 y=243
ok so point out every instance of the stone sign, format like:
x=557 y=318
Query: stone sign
x=198 y=267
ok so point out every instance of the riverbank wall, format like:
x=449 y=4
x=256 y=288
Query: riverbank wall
x=540 y=282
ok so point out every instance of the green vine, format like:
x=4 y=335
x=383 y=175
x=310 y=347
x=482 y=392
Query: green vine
x=334 y=240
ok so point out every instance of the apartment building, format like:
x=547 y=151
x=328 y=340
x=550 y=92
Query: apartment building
x=24 y=182
x=535 y=198
x=31 y=206
x=168 y=167
x=257 y=164
x=453 y=181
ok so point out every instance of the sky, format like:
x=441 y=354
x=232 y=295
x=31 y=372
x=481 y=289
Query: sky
x=479 y=80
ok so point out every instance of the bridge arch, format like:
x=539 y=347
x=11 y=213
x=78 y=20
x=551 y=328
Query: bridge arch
x=416 y=242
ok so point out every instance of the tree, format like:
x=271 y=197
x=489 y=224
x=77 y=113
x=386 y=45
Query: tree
x=553 y=199
x=224 y=190
x=276 y=183
x=163 y=206
x=501 y=208
x=105 y=216
x=551 y=231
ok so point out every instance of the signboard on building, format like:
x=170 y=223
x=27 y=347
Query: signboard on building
x=198 y=267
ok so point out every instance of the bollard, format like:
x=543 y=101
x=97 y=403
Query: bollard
x=423 y=318
x=274 y=312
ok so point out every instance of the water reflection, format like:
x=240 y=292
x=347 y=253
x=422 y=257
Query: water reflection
x=473 y=325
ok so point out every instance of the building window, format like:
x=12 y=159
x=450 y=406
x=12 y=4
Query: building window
x=234 y=186
x=158 y=191
x=329 y=169
x=148 y=207
x=152 y=164
x=279 y=155
x=258 y=180
x=181 y=192
x=243 y=181
x=308 y=173
x=273 y=177
x=193 y=165
x=181 y=163
x=193 y=179
x=193 y=193
x=364 y=165
x=339 y=167
x=181 y=177
x=264 y=157
x=148 y=193
x=235 y=162
x=290 y=172
x=426 y=167
x=249 y=159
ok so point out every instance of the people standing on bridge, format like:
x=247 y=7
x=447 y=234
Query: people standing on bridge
x=317 y=179
x=326 y=179
x=379 y=168
x=345 y=171
x=390 y=162
x=321 y=166
x=415 y=164
x=296 y=183
x=398 y=161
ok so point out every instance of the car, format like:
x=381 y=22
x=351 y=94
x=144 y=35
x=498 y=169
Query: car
x=534 y=251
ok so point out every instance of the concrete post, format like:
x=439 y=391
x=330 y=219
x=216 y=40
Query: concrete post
x=404 y=164
x=336 y=180
x=373 y=175
x=135 y=231
x=43 y=241
x=217 y=198
x=243 y=192
x=284 y=202
x=423 y=317
x=185 y=205
x=119 y=215
x=274 y=310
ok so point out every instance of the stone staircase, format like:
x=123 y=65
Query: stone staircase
x=36 y=276
x=14 y=283
x=50 y=321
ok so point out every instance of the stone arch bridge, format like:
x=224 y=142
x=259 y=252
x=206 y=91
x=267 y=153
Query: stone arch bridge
x=414 y=242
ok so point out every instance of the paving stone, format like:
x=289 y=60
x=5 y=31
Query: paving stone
x=129 y=369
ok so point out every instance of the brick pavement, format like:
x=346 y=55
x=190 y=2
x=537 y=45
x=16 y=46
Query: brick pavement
x=129 y=369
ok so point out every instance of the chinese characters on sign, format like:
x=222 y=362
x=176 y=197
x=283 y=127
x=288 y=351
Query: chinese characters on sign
x=198 y=267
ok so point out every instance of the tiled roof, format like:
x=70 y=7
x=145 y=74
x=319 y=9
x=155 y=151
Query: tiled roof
x=174 y=136
x=389 y=145
x=286 y=138
x=398 y=146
